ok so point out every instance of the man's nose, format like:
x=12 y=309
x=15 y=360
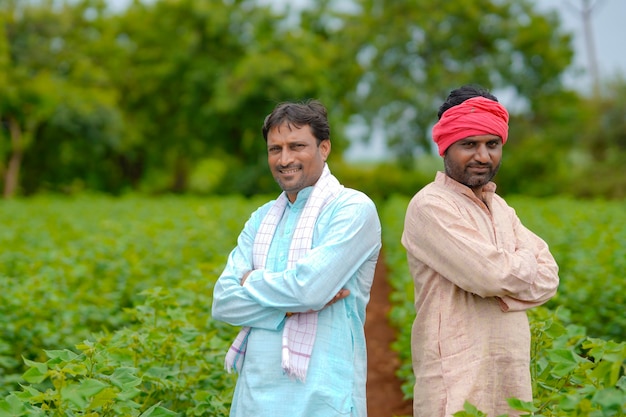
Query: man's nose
x=482 y=153
x=286 y=157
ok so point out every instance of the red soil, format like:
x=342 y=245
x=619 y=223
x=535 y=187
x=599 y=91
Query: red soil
x=384 y=395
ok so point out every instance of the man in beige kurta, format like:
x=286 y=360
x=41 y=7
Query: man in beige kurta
x=476 y=270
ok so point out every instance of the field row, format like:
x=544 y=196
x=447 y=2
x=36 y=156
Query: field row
x=105 y=302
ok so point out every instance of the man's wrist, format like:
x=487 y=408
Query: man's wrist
x=245 y=276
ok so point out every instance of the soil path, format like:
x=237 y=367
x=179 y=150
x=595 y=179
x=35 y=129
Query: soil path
x=384 y=395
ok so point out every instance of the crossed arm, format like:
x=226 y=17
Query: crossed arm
x=343 y=293
x=344 y=240
x=515 y=266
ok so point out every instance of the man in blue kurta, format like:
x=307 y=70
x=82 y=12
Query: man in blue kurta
x=299 y=280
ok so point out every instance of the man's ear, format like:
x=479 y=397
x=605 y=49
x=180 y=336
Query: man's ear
x=325 y=147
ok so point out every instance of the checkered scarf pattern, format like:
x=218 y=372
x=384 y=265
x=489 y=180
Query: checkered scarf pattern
x=300 y=329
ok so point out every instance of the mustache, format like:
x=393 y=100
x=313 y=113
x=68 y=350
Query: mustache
x=480 y=165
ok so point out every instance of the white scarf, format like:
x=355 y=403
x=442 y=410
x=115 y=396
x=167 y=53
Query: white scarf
x=300 y=329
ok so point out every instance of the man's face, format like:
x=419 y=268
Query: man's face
x=295 y=158
x=474 y=161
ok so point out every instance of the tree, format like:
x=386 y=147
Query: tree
x=413 y=53
x=27 y=98
x=43 y=72
x=165 y=88
x=200 y=86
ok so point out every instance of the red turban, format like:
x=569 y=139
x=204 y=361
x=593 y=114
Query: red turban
x=473 y=117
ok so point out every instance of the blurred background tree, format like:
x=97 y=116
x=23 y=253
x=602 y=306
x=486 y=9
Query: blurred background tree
x=58 y=112
x=169 y=95
x=413 y=54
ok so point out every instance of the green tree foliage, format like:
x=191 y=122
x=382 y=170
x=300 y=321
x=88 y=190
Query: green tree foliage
x=414 y=53
x=570 y=145
x=51 y=83
x=200 y=85
x=148 y=97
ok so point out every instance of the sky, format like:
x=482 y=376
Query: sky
x=608 y=28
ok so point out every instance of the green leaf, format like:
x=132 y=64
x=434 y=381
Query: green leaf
x=158 y=411
x=610 y=399
x=469 y=410
x=569 y=402
x=80 y=393
x=37 y=372
x=12 y=406
x=520 y=405
x=64 y=355
x=125 y=377
x=564 y=361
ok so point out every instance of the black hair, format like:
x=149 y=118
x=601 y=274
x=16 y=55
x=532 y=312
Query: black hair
x=310 y=112
x=463 y=93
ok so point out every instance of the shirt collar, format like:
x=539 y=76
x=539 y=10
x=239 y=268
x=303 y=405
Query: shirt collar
x=301 y=198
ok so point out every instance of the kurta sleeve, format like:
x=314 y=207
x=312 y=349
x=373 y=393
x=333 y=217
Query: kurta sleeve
x=546 y=280
x=466 y=251
x=346 y=234
x=231 y=302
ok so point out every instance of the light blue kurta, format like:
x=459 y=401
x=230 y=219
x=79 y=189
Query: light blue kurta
x=345 y=248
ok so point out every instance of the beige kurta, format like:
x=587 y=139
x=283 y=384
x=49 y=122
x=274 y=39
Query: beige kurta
x=476 y=270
